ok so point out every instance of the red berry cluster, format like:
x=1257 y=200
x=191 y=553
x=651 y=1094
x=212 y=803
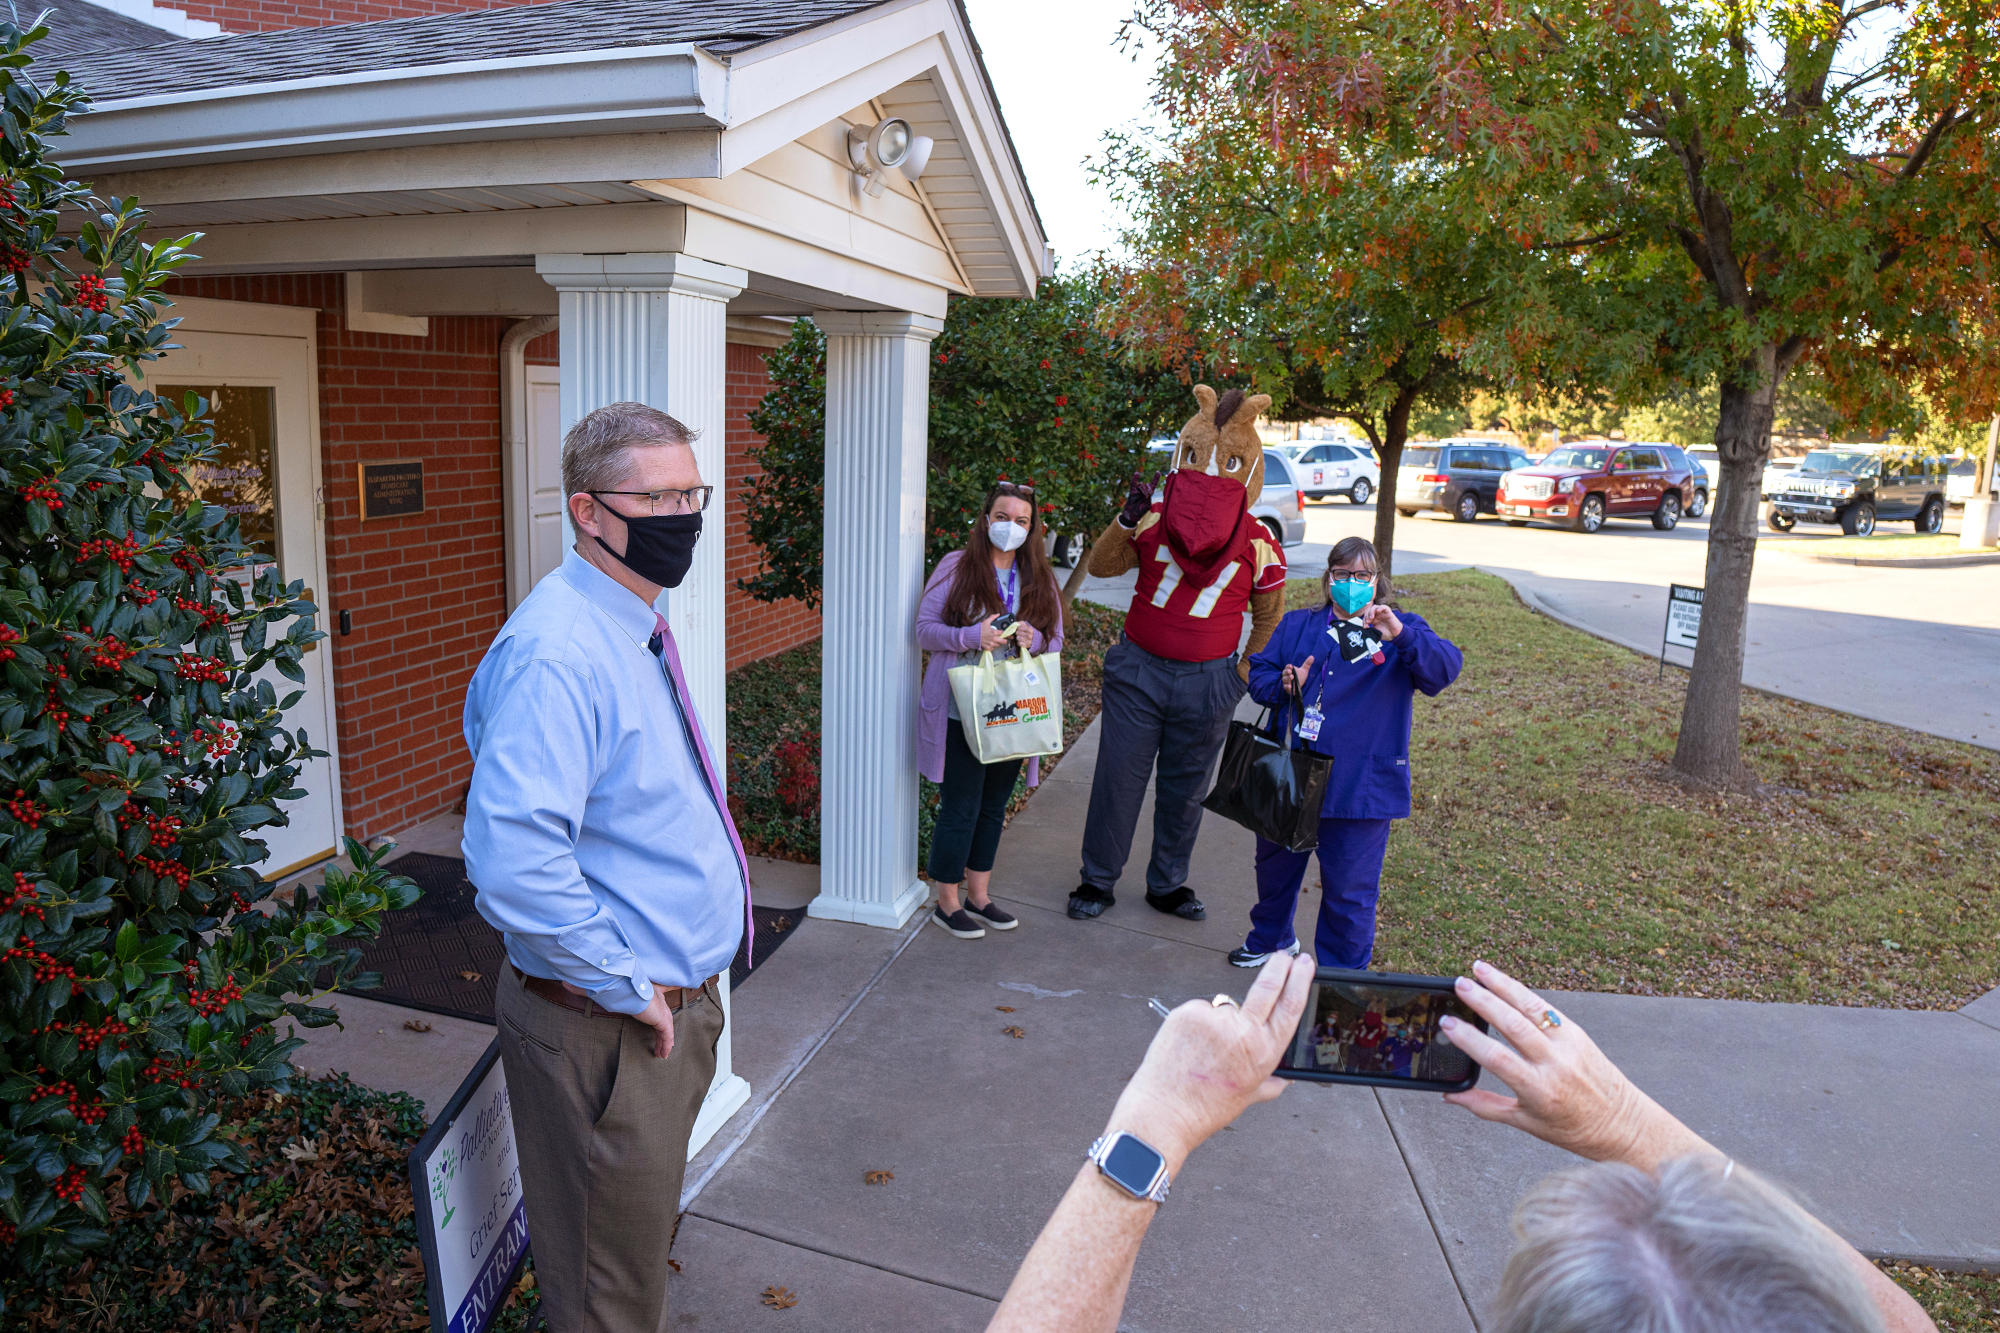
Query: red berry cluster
x=89 y=1038
x=166 y=829
x=6 y=397
x=69 y=1185
x=14 y=259
x=166 y=1069
x=91 y=292
x=43 y=492
x=210 y=613
x=119 y=552
x=111 y=654
x=24 y=898
x=141 y=595
x=133 y=1142
x=56 y=712
x=209 y=1003
x=190 y=563
x=90 y=1113
x=8 y=634
x=219 y=743
x=7 y=1234
x=28 y=811
x=118 y=738
x=192 y=667
x=172 y=870
x=237 y=902
x=47 y=966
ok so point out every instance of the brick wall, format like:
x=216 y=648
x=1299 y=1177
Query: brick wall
x=428 y=592
x=269 y=15
x=756 y=629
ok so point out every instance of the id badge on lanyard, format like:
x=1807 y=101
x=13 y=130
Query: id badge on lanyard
x=1314 y=718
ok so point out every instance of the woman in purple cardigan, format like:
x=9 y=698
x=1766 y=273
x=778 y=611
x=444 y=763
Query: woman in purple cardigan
x=1002 y=570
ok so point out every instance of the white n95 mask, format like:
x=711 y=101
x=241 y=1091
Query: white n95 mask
x=1006 y=535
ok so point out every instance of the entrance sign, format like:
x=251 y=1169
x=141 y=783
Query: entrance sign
x=471 y=1218
x=1683 y=620
x=392 y=490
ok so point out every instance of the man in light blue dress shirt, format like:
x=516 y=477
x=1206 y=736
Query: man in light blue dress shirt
x=598 y=836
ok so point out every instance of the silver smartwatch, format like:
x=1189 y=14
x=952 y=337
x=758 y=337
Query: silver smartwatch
x=1133 y=1165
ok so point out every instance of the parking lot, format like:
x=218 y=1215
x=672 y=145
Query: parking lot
x=1916 y=647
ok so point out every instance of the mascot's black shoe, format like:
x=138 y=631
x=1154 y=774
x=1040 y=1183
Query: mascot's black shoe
x=1181 y=903
x=1089 y=901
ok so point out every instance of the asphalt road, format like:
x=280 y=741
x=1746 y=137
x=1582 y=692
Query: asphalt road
x=1919 y=648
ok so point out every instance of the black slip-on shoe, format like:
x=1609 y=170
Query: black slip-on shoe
x=959 y=923
x=1242 y=957
x=1181 y=903
x=1088 y=901
x=993 y=915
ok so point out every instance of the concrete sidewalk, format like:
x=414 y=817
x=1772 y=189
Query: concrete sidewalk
x=1332 y=1208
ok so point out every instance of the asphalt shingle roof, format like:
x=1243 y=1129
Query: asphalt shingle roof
x=78 y=29
x=722 y=26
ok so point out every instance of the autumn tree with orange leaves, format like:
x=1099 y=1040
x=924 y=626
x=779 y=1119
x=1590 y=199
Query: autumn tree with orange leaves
x=1725 y=190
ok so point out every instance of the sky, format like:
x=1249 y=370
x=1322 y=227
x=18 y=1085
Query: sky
x=1063 y=83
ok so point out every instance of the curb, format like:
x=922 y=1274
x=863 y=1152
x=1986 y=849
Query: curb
x=1890 y=562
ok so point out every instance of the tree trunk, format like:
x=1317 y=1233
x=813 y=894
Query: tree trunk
x=1709 y=751
x=1074 y=583
x=1395 y=430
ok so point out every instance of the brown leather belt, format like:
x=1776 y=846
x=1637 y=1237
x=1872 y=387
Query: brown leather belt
x=678 y=997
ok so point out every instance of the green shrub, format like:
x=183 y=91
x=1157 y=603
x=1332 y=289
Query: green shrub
x=141 y=962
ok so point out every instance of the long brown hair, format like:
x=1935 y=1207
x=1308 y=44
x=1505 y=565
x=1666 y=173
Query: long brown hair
x=975 y=588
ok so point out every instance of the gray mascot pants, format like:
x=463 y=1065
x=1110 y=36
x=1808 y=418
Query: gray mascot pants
x=1155 y=709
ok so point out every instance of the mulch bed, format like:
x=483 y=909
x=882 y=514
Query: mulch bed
x=440 y=956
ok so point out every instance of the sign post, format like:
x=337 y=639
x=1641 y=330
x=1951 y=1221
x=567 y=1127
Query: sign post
x=471 y=1218
x=1683 y=620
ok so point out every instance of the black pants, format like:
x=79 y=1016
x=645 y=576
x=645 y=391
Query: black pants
x=1157 y=713
x=972 y=805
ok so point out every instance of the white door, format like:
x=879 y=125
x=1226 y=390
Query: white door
x=263 y=389
x=546 y=516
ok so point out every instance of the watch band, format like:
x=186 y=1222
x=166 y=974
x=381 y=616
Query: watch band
x=1153 y=1190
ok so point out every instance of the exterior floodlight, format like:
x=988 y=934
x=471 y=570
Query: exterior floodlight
x=890 y=146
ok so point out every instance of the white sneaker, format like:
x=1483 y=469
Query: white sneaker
x=1242 y=957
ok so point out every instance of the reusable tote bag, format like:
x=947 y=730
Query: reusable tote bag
x=1270 y=788
x=1012 y=708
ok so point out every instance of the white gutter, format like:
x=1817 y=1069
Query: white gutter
x=514 y=448
x=620 y=91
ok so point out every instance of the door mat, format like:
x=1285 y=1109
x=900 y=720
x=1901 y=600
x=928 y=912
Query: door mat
x=440 y=956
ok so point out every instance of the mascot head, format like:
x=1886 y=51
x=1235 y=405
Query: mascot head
x=1221 y=440
x=1218 y=470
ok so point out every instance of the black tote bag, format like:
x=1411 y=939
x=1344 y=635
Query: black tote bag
x=1270 y=788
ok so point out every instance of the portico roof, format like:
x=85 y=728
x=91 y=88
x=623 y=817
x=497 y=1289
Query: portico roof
x=583 y=106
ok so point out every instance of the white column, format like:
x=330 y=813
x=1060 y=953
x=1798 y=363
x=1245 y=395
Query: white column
x=877 y=417
x=651 y=328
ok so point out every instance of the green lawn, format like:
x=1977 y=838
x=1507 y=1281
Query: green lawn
x=1547 y=838
x=1957 y=1302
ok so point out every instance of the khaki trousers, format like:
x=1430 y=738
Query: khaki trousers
x=603 y=1131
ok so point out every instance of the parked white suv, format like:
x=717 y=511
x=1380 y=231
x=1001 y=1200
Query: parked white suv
x=1328 y=469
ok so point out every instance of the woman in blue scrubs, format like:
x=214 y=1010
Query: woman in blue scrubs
x=1357 y=663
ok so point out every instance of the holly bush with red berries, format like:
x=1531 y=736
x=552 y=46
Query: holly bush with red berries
x=142 y=957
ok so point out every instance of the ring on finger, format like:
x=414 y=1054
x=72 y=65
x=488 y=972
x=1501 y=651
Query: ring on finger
x=1550 y=1019
x=1222 y=1001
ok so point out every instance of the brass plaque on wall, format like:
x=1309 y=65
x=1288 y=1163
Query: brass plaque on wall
x=392 y=490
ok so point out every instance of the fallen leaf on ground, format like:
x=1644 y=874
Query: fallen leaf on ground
x=674 y=1264
x=781 y=923
x=877 y=1177
x=416 y=1025
x=779 y=1299
x=471 y=976
x=1004 y=1008
x=305 y=1150
x=1015 y=1032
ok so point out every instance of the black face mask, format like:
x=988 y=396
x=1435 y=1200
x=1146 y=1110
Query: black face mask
x=659 y=549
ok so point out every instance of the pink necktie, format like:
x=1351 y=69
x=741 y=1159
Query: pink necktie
x=663 y=646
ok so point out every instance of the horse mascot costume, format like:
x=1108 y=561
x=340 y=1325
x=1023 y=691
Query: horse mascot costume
x=1174 y=679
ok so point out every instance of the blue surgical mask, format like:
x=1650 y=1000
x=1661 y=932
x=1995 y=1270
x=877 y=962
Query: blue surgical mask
x=1350 y=595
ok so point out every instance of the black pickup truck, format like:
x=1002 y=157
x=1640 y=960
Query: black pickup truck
x=1856 y=489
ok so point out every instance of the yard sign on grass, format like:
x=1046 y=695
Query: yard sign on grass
x=471 y=1218
x=1683 y=620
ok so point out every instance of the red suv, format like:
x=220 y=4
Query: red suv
x=1581 y=485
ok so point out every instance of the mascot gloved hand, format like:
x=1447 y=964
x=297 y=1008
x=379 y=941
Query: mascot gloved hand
x=1203 y=562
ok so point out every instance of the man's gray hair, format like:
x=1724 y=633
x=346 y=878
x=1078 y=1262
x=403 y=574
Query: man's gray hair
x=1704 y=1247
x=596 y=454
